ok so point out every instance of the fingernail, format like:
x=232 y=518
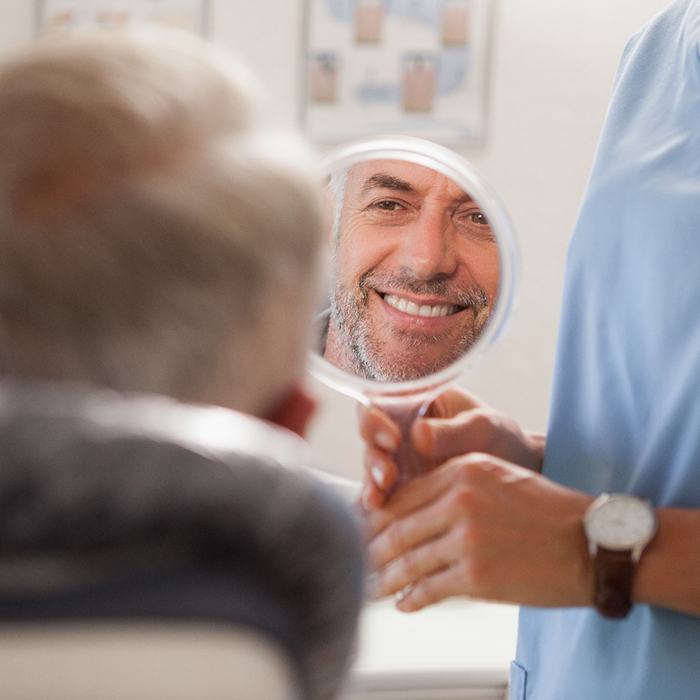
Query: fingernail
x=405 y=605
x=385 y=440
x=402 y=601
x=400 y=595
x=378 y=475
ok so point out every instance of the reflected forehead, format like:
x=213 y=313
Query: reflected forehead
x=364 y=178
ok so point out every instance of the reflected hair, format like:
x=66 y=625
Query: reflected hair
x=153 y=235
x=337 y=184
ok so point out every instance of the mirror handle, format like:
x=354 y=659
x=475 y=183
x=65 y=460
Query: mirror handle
x=404 y=412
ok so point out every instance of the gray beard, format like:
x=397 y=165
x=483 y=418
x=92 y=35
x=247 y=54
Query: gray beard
x=349 y=315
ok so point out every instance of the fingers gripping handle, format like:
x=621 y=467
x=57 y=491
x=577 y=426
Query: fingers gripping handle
x=404 y=411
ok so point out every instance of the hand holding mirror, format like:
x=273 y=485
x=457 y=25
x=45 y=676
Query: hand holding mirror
x=423 y=276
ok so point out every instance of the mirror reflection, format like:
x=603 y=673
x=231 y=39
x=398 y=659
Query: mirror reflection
x=415 y=271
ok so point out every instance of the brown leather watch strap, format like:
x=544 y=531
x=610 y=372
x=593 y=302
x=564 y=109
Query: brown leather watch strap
x=613 y=582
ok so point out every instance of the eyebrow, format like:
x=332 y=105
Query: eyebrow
x=384 y=181
x=391 y=182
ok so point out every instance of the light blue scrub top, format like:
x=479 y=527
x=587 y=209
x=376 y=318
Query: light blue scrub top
x=626 y=404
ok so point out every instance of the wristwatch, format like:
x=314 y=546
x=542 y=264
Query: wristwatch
x=618 y=528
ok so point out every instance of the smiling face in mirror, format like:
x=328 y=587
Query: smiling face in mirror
x=415 y=271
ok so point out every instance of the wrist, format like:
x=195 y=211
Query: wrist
x=618 y=528
x=570 y=568
x=582 y=569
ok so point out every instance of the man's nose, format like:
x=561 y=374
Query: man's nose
x=428 y=246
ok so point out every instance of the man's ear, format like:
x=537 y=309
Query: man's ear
x=294 y=411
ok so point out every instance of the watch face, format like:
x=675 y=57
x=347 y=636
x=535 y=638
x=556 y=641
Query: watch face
x=620 y=522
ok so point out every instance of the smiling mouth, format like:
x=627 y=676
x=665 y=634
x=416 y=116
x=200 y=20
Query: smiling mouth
x=425 y=310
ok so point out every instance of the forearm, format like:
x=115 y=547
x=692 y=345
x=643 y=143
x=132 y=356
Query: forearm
x=668 y=574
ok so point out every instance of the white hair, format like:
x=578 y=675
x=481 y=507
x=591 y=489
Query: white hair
x=337 y=184
x=153 y=236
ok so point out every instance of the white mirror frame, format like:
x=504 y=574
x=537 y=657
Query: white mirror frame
x=453 y=166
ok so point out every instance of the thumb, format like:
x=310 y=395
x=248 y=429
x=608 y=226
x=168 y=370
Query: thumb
x=453 y=402
x=444 y=438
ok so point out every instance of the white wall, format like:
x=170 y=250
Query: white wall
x=554 y=61
x=553 y=65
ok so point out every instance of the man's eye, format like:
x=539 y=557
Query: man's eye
x=476 y=217
x=389 y=212
x=471 y=217
x=388 y=205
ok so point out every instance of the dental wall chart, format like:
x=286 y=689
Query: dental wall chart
x=415 y=67
x=65 y=15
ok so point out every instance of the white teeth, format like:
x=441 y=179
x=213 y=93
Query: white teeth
x=413 y=309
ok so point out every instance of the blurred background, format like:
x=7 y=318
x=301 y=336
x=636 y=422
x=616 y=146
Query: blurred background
x=552 y=66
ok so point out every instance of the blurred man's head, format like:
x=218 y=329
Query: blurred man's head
x=153 y=237
x=416 y=271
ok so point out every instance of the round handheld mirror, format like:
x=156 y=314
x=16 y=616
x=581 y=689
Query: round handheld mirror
x=423 y=275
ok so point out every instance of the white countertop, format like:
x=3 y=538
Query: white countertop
x=456 y=649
